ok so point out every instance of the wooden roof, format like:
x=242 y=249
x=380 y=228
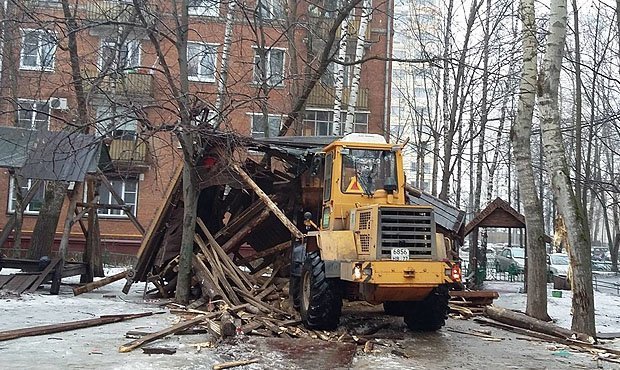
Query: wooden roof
x=497 y=214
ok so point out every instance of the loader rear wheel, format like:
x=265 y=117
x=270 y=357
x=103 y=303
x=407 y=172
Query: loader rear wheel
x=321 y=301
x=431 y=313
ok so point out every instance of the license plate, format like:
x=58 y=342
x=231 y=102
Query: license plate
x=400 y=254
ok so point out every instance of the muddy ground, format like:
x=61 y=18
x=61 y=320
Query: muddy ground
x=97 y=348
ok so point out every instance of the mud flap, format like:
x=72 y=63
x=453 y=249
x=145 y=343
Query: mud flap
x=298 y=256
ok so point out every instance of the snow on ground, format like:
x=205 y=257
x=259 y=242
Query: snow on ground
x=606 y=305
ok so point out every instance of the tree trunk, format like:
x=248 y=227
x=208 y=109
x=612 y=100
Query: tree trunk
x=578 y=100
x=520 y=136
x=45 y=228
x=339 y=76
x=568 y=205
x=357 y=68
x=223 y=70
x=451 y=122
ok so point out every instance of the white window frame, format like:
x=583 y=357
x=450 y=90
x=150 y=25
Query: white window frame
x=260 y=134
x=12 y=196
x=133 y=47
x=255 y=75
x=269 y=10
x=34 y=111
x=204 y=8
x=121 y=124
x=204 y=52
x=117 y=213
x=343 y=118
x=42 y=34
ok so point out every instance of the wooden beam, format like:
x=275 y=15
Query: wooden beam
x=66 y=326
x=101 y=282
x=267 y=252
x=270 y=204
x=42 y=277
x=173 y=329
x=235 y=241
x=120 y=201
x=10 y=222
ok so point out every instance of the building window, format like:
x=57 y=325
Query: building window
x=270 y=9
x=274 y=67
x=120 y=56
x=204 y=8
x=35 y=204
x=116 y=122
x=32 y=114
x=38 y=50
x=201 y=61
x=258 y=125
x=127 y=189
x=318 y=123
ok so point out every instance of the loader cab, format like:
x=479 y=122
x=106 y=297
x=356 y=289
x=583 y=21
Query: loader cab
x=359 y=170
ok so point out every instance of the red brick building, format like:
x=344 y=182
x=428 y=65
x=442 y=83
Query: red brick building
x=129 y=95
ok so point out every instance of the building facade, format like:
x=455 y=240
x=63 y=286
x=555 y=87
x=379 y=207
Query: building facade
x=246 y=66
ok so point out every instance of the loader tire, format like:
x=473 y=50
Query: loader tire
x=321 y=300
x=431 y=313
x=294 y=291
x=397 y=308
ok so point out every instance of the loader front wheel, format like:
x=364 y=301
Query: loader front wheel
x=321 y=300
x=431 y=313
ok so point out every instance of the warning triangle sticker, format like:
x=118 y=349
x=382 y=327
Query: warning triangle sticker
x=354 y=186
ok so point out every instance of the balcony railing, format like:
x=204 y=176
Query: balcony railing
x=325 y=97
x=108 y=11
x=128 y=84
x=129 y=152
x=322 y=26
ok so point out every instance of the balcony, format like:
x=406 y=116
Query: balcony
x=322 y=26
x=134 y=85
x=108 y=11
x=324 y=97
x=129 y=154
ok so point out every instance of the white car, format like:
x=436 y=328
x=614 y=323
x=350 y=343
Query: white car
x=558 y=264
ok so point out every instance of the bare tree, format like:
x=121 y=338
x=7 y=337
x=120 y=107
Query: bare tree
x=520 y=135
x=568 y=206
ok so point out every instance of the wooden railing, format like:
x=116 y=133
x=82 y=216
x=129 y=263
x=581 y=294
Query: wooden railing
x=130 y=151
x=106 y=11
x=130 y=84
x=325 y=96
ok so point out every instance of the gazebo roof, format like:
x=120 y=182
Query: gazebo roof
x=497 y=214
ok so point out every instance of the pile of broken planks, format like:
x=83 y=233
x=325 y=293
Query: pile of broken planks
x=532 y=329
x=465 y=304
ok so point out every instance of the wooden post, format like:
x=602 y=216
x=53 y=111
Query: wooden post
x=64 y=242
x=10 y=222
x=270 y=204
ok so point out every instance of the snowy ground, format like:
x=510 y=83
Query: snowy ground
x=450 y=348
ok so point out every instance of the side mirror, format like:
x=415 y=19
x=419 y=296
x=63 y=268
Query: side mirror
x=390 y=185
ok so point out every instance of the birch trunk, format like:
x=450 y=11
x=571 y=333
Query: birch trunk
x=568 y=204
x=339 y=76
x=357 y=67
x=521 y=132
x=223 y=72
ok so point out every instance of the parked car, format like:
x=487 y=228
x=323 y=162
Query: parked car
x=510 y=259
x=558 y=264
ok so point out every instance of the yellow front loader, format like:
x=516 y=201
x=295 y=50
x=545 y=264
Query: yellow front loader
x=364 y=242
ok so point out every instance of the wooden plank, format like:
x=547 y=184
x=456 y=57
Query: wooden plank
x=121 y=202
x=66 y=326
x=128 y=347
x=101 y=282
x=270 y=204
x=474 y=294
x=267 y=252
x=148 y=249
x=5 y=279
x=43 y=275
x=27 y=281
